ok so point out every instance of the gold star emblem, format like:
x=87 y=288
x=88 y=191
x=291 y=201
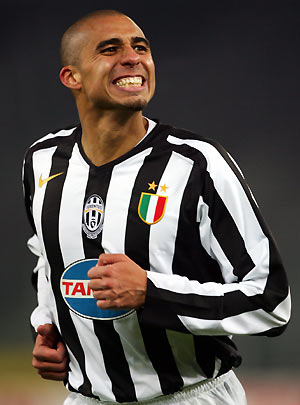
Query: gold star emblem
x=152 y=185
x=164 y=188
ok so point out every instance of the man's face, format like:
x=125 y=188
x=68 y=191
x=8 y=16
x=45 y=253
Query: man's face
x=115 y=65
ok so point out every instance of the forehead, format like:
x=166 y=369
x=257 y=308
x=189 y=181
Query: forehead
x=116 y=26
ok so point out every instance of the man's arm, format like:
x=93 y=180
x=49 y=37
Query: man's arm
x=254 y=297
x=50 y=356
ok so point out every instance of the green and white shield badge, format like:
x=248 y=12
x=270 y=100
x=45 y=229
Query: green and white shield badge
x=151 y=207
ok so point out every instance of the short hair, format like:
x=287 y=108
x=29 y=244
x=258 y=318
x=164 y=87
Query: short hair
x=69 y=53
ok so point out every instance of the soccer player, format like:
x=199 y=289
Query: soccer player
x=151 y=249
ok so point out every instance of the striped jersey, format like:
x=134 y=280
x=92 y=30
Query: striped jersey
x=178 y=205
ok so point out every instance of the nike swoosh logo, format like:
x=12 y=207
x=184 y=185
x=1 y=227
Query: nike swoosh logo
x=42 y=182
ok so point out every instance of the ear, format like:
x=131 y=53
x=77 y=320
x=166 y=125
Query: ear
x=70 y=77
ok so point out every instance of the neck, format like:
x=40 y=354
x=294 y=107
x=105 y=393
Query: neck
x=111 y=135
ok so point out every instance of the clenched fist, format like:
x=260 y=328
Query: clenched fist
x=118 y=282
x=50 y=356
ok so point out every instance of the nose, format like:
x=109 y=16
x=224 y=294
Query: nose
x=129 y=57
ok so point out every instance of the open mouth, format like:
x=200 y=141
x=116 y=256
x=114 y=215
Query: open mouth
x=129 y=81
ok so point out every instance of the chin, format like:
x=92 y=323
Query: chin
x=136 y=105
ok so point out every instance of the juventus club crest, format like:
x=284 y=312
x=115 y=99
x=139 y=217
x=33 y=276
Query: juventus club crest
x=93 y=216
x=151 y=207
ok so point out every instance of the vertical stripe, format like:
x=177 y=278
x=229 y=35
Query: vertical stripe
x=137 y=248
x=41 y=158
x=95 y=367
x=222 y=224
x=185 y=356
x=137 y=231
x=163 y=233
x=113 y=357
x=202 y=267
x=28 y=188
x=70 y=217
x=70 y=223
x=50 y=228
x=205 y=355
x=160 y=352
x=138 y=361
x=118 y=200
x=116 y=212
x=75 y=377
x=115 y=361
x=211 y=244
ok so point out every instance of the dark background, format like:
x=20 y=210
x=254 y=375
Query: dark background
x=228 y=70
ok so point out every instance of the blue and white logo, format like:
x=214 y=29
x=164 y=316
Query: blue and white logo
x=78 y=295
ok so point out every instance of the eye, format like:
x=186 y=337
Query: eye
x=140 y=48
x=110 y=49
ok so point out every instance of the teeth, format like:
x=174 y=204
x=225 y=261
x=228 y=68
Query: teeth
x=135 y=81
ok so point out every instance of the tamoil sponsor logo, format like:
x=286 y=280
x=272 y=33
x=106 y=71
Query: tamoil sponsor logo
x=79 y=297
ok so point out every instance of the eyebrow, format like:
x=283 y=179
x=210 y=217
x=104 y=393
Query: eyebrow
x=118 y=41
x=136 y=40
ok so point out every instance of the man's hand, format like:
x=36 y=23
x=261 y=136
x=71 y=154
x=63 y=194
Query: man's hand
x=50 y=356
x=118 y=282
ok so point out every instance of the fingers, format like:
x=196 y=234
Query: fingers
x=52 y=370
x=61 y=350
x=50 y=362
x=98 y=272
x=117 y=282
x=102 y=294
x=111 y=258
x=44 y=353
x=53 y=376
x=105 y=304
x=44 y=366
x=46 y=329
x=48 y=335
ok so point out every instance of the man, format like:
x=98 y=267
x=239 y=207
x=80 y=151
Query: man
x=152 y=251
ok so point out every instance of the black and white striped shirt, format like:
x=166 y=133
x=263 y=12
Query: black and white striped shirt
x=178 y=206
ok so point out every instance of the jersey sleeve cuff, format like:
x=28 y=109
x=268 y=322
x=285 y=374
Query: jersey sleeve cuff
x=157 y=313
x=40 y=316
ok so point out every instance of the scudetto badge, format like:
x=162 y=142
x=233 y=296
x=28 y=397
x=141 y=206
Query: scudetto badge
x=93 y=216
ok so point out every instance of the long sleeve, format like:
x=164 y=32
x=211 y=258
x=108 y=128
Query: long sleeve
x=41 y=314
x=254 y=296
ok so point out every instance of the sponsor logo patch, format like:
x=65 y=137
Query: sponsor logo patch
x=93 y=216
x=79 y=297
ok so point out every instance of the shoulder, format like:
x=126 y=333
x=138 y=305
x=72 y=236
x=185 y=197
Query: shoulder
x=209 y=156
x=195 y=140
x=52 y=139
x=198 y=147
